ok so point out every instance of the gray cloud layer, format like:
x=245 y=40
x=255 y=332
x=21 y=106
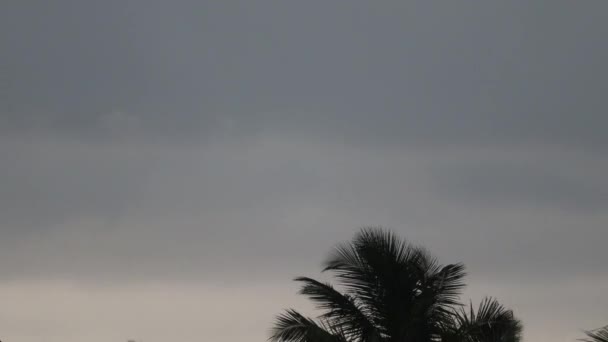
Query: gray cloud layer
x=415 y=71
x=206 y=144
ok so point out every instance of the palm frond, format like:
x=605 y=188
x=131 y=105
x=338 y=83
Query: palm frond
x=371 y=248
x=341 y=311
x=291 y=326
x=492 y=322
x=439 y=294
x=598 y=335
x=445 y=286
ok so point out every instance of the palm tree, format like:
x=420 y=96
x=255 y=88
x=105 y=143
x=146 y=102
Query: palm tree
x=391 y=291
x=598 y=335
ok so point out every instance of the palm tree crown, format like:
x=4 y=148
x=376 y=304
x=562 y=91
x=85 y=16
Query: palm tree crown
x=391 y=291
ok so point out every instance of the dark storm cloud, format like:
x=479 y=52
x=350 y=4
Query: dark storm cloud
x=401 y=72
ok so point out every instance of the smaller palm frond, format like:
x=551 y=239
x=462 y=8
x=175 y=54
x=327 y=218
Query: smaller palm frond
x=341 y=310
x=492 y=322
x=291 y=326
x=597 y=335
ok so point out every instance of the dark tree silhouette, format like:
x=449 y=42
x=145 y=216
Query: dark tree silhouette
x=598 y=335
x=391 y=291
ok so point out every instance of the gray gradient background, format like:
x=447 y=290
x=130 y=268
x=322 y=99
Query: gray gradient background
x=169 y=166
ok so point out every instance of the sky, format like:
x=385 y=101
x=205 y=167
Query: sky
x=168 y=167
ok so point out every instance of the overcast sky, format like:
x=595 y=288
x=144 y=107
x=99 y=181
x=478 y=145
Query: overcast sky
x=169 y=166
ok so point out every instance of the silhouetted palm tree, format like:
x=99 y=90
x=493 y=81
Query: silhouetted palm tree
x=598 y=335
x=392 y=292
